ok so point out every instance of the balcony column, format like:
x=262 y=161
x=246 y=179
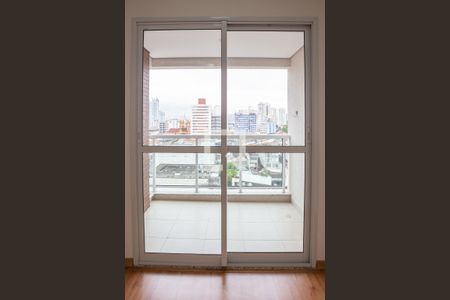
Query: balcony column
x=154 y=172
x=283 y=171
x=196 y=167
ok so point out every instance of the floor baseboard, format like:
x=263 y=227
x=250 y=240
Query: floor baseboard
x=320 y=265
x=129 y=263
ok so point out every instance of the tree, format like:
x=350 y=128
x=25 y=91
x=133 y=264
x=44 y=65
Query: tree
x=232 y=172
x=264 y=172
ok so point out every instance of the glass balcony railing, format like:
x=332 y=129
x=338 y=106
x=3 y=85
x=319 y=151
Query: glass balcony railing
x=201 y=172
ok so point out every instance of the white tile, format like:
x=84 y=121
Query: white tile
x=289 y=230
x=153 y=244
x=183 y=246
x=213 y=230
x=194 y=227
x=255 y=213
x=264 y=246
x=261 y=231
x=284 y=212
x=163 y=211
x=235 y=231
x=293 y=246
x=212 y=247
x=202 y=211
x=233 y=213
x=189 y=230
x=235 y=246
x=158 y=228
x=214 y=212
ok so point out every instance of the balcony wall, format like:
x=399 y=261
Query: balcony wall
x=296 y=119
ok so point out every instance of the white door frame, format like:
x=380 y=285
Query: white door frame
x=305 y=259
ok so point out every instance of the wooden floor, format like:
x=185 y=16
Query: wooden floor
x=209 y=285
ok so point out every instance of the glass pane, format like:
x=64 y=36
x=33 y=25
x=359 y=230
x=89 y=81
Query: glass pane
x=265 y=202
x=266 y=89
x=182 y=92
x=182 y=203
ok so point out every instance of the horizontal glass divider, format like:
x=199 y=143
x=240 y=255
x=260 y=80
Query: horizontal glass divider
x=225 y=149
x=181 y=149
x=266 y=149
x=217 y=187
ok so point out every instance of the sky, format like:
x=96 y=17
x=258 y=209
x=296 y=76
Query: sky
x=179 y=89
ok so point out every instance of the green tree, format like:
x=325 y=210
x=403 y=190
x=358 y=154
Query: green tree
x=232 y=171
x=264 y=172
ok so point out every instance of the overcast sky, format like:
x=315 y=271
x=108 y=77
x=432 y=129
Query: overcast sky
x=179 y=89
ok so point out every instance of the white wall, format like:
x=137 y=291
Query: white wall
x=296 y=98
x=296 y=127
x=233 y=8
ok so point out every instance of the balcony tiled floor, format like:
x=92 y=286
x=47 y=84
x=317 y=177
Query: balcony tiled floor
x=194 y=227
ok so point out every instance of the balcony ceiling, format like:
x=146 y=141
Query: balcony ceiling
x=206 y=43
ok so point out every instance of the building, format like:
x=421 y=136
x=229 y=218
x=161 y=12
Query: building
x=271 y=127
x=244 y=123
x=154 y=114
x=162 y=116
x=263 y=110
x=261 y=117
x=163 y=127
x=173 y=123
x=201 y=118
x=216 y=124
x=282 y=118
x=230 y=121
x=216 y=111
x=272 y=116
x=184 y=126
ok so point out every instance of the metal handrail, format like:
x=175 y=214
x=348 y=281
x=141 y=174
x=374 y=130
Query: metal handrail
x=203 y=136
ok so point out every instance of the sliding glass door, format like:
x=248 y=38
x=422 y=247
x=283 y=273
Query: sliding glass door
x=223 y=147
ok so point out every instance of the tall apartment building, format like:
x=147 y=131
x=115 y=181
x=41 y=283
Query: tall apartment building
x=216 y=120
x=215 y=124
x=230 y=121
x=282 y=118
x=154 y=114
x=262 y=116
x=263 y=110
x=163 y=127
x=244 y=123
x=201 y=118
x=162 y=116
x=273 y=115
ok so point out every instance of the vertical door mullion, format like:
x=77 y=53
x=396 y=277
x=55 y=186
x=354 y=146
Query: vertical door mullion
x=223 y=143
x=308 y=143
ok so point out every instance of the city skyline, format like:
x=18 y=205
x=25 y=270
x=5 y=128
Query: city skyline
x=246 y=87
x=206 y=119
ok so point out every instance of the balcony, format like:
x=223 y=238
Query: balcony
x=265 y=211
